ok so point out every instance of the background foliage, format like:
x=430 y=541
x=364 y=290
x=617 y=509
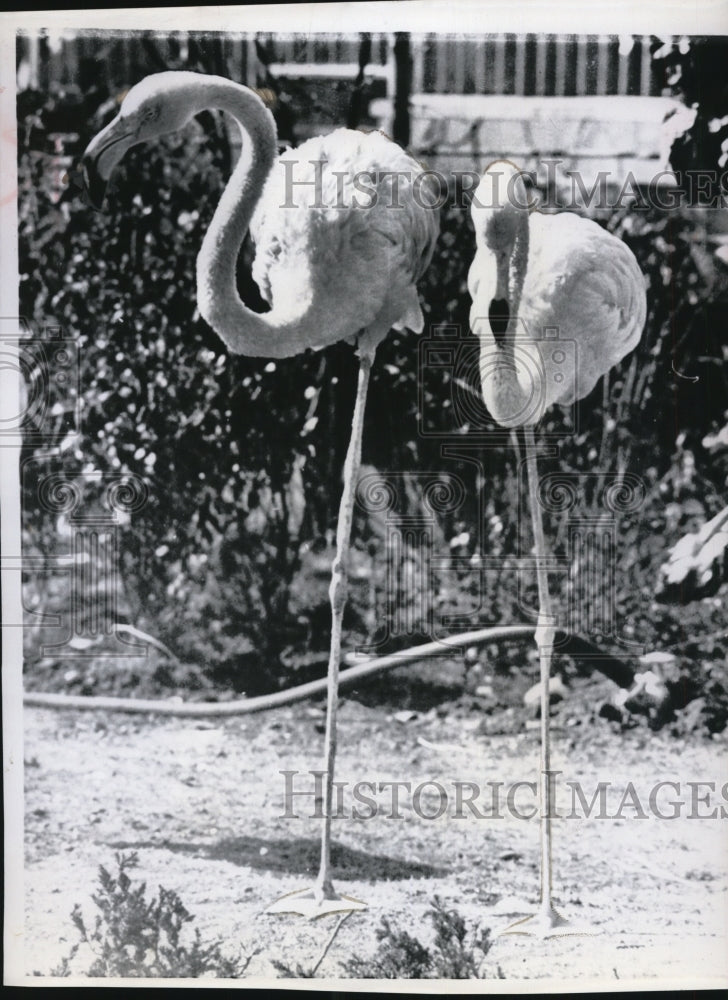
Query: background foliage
x=227 y=560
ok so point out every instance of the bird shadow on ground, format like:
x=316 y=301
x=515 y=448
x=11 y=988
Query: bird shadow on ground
x=416 y=688
x=297 y=856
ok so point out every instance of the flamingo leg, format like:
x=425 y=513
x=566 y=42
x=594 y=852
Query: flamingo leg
x=323 y=898
x=338 y=596
x=546 y=922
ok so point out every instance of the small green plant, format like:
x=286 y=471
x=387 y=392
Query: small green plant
x=133 y=937
x=456 y=953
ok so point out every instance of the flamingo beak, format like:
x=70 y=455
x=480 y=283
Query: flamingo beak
x=499 y=315
x=94 y=183
x=102 y=155
x=499 y=312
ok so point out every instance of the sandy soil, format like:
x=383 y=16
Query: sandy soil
x=202 y=804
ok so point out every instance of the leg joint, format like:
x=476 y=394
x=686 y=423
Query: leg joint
x=545 y=632
x=338 y=587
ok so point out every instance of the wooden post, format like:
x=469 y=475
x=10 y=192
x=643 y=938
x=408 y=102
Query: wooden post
x=402 y=84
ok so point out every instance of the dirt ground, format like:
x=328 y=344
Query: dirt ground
x=202 y=805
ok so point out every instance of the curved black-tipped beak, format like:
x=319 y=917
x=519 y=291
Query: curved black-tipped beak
x=94 y=183
x=102 y=155
x=499 y=315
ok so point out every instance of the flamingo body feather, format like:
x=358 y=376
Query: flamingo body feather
x=334 y=232
x=583 y=287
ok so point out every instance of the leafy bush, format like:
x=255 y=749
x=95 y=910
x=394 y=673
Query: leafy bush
x=694 y=70
x=456 y=952
x=133 y=937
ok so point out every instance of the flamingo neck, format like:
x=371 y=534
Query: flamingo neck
x=242 y=330
x=517 y=277
x=507 y=395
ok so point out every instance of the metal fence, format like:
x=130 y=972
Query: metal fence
x=455 y=102
x=499 y=64
x=534 y=65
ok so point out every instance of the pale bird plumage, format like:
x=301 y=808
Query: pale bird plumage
x=327 y=271
x=581 y=285
x=557 y=302
x=334 y=263
x=364 y=261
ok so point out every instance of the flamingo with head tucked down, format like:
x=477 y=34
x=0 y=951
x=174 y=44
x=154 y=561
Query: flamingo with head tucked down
x=343 y=230
x=557 y=302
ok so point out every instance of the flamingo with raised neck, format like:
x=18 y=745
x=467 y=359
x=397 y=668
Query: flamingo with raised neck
x=343 y=228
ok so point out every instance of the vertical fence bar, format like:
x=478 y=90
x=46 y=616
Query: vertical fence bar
x=55 y=63
x=541 y=53
x=581 y=65
x=612 y=63
x=386 y=58
x=441 y=54
x=458 y=53
x=645 y=67
x=418 y=63
x=69 y=57
x=551 y=44
x=560 y=67
x=123 y=49
x=403 y=84
x=251 y=62
x=603 y=43
x=592 y=57
x=529 y=83
x=499 y=65
x=519 y=84
x=635 y=60
x=509 y=68
x=623 y=69
x=33 y=60
x=376 y=49
x=236 y=60
x=481 y=47
x=429 y=67
x=225 y=49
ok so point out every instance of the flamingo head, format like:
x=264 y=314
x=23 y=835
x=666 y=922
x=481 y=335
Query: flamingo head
x=159 y=104
x=500 y=209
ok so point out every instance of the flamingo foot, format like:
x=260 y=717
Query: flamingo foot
x=547 y=923
x=315 y=902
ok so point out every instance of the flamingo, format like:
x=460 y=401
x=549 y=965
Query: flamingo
x=535 y=276
x=341 y=241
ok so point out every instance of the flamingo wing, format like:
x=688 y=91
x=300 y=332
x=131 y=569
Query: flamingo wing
x=584 y=286
x=344 y=219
